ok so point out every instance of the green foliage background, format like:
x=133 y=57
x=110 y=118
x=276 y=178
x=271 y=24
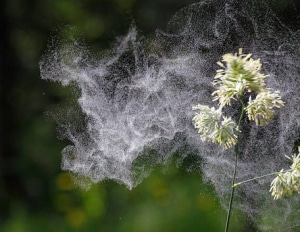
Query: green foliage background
x=35 y=195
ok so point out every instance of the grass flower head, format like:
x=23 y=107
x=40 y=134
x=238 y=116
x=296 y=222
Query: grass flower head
x=262 y=109
x=238 y=73
x=287 y=182
x=212 y=128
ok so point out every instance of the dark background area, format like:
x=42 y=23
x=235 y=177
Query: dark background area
x=35 y=194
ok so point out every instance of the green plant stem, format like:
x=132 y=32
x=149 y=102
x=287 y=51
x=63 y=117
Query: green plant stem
x=255 y=178
x=235 y=166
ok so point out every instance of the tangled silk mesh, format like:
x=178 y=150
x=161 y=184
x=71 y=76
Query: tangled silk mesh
x=136 y=101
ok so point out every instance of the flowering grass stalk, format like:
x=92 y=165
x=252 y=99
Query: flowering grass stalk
x=235 y=170
x=239 y=74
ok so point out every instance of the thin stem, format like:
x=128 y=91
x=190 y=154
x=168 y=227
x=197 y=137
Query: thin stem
x=255 y=178
x=235 y=166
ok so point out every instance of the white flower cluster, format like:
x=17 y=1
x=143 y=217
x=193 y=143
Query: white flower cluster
x=211 y=128
x=239 y=73
x=261 y=109
x=287 y=182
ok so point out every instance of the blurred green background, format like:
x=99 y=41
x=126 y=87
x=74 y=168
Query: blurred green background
x=35 y=195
